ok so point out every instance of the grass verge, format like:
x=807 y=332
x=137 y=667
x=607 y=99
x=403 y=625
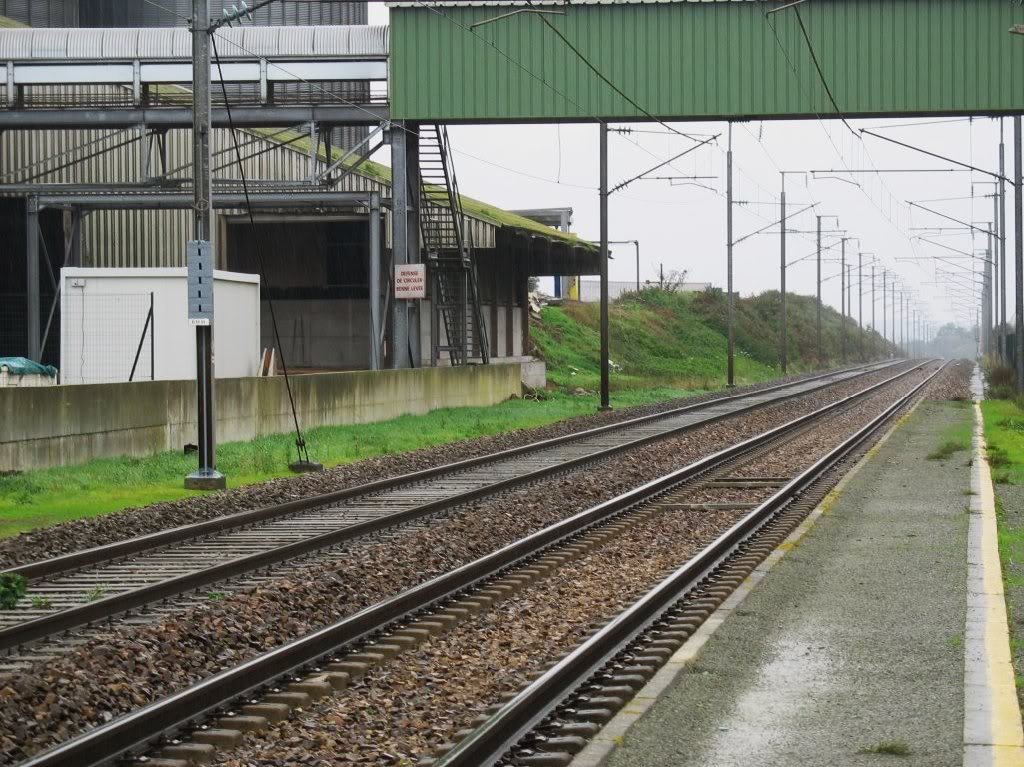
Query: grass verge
x=49 y=496
x=1004 y=435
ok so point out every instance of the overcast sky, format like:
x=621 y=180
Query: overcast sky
x=683 y=225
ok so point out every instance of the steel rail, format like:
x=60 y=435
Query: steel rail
x=45 y=626
x=132 y=732
x=488 y=743
x=75 y=560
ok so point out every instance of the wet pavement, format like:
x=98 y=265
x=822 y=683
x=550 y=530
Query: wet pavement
x=851 y=651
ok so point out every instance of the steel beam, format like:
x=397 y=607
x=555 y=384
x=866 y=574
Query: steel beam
x=375 y=321
x=181 y=117
x=401 y=241
x=32 y=305
x=183 y=200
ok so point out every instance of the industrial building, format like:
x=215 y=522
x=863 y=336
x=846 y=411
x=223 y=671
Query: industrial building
x=322 y=236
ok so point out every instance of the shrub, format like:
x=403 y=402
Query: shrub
x=12 y=588
x=1000 y=381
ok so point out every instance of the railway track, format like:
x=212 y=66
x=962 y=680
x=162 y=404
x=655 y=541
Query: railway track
x=85 y=587
x=447 y=599
x=627 y=651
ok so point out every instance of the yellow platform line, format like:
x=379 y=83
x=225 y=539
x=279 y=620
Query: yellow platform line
x=993 y=736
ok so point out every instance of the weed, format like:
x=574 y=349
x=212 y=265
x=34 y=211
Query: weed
x=40 y=602
x=891 y=747
x=95 y=593
x=216 y=596
x=12 y=588
x=997 y=458
x=1001 y=381
x=944 y=451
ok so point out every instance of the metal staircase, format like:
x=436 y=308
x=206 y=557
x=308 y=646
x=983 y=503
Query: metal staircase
x=448 y=249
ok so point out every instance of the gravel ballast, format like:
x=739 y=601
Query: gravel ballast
x=130 y=666
x=403 y=710
x=96 y=531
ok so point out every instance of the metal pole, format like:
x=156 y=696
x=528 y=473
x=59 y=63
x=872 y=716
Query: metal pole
x=903 y=327
x=731 y=379
x=152 y=337
x=604 y=266
x=375 y=281
x=1003 y=350
x=206 y=477
x=989 y=297
x=400 y=236
x=1018 y=256
x=885 y=314
x=874 y=328
x=892 y=306
x=860 y=305
x=636 y=244
x=782 y=281
x=32 y=318
x=898 y=339
x=821 y=359
x=842 y=295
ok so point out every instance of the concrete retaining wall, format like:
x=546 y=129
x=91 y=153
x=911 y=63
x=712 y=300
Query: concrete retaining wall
x=63 y=425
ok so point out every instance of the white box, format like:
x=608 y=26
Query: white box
x=103 y=325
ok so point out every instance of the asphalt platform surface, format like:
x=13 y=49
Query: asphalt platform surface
x=850 y=651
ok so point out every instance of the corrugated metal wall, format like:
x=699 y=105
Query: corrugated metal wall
x=707 y=60
x=142 y=238
x=175 y=13
x=41 y=13
x=157 y=238
x=172 y=13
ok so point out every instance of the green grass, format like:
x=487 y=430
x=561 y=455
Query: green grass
x=1004 y=434
x=680 y=339
x=663 y=344
x=49 y=496
x=955 y=439
x=889 y=747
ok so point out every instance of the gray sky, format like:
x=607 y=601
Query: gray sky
x=684 y=226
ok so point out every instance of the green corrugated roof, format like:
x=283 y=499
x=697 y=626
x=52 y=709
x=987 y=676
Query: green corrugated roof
x=475 y=208
x=7 y=23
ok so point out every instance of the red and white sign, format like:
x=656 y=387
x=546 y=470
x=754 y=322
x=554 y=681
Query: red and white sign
x=410 y=280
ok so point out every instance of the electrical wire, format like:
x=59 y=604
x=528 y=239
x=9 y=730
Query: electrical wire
x=300 y=442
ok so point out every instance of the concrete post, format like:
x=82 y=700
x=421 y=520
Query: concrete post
x=817 y=319
x=1018 y=256
x=603 y=193
x=783 y=340
x=731 y=365
x=842 y=295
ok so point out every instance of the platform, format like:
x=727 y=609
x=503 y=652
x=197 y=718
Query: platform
x=848 y=646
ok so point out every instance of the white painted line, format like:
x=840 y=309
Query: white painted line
x=992 y=725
